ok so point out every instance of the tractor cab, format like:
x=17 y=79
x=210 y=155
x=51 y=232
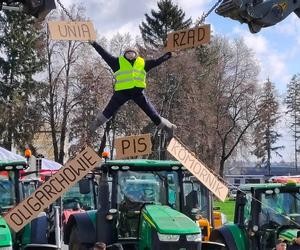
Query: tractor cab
x=10 y=196
x=79 y=198
x=10 y=189
x=143 y=204
x=263 y=214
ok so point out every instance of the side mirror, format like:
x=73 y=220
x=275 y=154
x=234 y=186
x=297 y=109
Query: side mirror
x=38 y=8
x=84 y=186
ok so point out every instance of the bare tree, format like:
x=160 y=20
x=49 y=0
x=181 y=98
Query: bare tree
x=233 y=95
x=61 y=98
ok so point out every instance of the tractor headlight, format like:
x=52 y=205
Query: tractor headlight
x=194 y=237
x=168 y=237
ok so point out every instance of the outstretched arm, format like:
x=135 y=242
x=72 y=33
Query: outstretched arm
x=149 y=64
x=111 y=60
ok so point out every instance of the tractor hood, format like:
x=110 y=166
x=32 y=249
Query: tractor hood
x=169 y=221
x=289 y=234
x=5 y=235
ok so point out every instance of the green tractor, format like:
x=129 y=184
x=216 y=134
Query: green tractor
x=10 y=195
x=263 y=214
x=141 y=205
x=34 y=235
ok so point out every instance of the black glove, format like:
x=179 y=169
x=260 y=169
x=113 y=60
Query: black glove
x=92 y=43
x=167 y=56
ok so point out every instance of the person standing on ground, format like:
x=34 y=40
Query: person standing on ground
x=130 y=74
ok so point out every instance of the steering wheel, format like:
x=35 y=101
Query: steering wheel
x=70 y=200
x=270 y=225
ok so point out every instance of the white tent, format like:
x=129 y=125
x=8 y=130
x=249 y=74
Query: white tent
x=50 y=165
x=7 y=156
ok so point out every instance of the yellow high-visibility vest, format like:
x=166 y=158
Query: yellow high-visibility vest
x=128 y=76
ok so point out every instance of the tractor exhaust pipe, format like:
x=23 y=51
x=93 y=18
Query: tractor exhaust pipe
x=57 y=227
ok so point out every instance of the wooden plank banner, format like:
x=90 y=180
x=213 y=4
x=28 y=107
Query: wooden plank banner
x=198 y=169
x=131 y=146
x=72 y=31
x=188 y=38
x=50 y=191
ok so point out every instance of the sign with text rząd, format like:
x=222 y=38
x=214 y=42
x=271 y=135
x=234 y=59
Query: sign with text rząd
x=131 y=146
x=72 y=31
x=51 y=190
x=188 y=38
x=198 y=169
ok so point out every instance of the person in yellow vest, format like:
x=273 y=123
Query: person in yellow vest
x=130 y=74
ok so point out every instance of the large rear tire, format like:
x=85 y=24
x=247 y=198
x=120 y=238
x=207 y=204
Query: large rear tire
x=74 y=243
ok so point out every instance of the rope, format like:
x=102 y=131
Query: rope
x=65 y=10
x=204 y=16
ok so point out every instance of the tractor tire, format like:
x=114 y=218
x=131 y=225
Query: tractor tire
x=74 y=244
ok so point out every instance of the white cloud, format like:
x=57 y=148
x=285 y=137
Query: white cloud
x=114 y=14
x=290 y=26
x=194 y=8
x=273 y=63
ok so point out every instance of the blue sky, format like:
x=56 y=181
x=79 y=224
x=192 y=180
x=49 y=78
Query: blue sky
x=276 y=48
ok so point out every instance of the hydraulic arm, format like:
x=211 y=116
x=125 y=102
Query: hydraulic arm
x=258 y=13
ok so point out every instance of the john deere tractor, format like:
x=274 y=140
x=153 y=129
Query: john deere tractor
x=263 y=214
x=142 y=205
x=35 y=235
x=10 y=195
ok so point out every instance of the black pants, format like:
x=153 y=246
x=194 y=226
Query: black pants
x=135 y=94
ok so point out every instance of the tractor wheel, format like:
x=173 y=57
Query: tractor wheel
x=74 y=244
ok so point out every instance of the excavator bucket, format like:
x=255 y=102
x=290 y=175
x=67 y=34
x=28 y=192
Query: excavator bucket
x=258 y=13
x=231 y=9
x=38 y=8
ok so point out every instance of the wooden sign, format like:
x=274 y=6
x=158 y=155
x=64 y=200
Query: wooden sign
x=72 y=31
x=51 y=190
x=131 y=146
x=198 y=169
x=188 y=38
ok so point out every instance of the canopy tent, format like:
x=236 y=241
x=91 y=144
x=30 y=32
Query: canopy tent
x=41 y=167
x=10 y=159
x=48 y=165
x=49 y=168
x=7 y=156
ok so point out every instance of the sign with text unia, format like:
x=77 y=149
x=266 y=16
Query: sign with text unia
x=198 y=169
x=188 y=38
x=51 y=190
x=72 y=31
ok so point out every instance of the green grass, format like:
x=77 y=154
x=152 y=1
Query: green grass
x=227 y=208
